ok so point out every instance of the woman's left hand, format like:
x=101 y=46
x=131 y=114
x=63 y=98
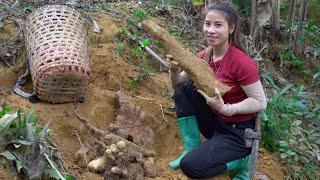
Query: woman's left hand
x=215 y=102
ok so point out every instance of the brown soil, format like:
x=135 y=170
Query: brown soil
x=109 y=74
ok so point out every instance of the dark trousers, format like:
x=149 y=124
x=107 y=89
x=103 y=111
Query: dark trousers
x=225 y=141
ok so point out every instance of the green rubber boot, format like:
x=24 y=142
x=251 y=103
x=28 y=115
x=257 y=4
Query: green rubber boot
x=241 y=167
x=191 y=138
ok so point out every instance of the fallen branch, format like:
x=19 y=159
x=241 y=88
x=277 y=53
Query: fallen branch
x=155 y=55
x=109 y=137
x=84 y=154
x=149 y=50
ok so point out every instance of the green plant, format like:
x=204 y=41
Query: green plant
x=3 y=5
x=104 y=7
x=146 y=68
x=315 y=79
x=140 y=14
x=134 y=82
x=138 y=49
x=266 y=77
x=290 y=127
x=242 y=6
x=120 y=47
x=289 y=59
x=24 y=145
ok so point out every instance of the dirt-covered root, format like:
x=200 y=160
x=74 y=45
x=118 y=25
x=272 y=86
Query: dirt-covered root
x=125 y=151
x=129 y=123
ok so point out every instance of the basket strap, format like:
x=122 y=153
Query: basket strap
x=21 y=81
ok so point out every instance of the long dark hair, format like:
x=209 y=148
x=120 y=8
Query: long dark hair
x=232 y=18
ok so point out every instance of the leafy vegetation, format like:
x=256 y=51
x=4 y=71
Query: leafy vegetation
x=291 y=126
x=289 y=59
x=24 y=146
x=140 y=14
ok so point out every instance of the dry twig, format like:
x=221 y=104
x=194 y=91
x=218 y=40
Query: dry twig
x=163 y=114
x=84 y=154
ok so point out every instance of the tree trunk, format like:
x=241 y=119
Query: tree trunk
x=275 y=14
x=254 y=26
x=291 y=10
x=207 y=2
x=298 y=46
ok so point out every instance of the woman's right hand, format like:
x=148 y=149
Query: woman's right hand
x=174 y=71
x=172 y=65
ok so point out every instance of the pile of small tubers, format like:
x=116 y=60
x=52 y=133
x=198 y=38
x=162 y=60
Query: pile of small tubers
x=122 y=162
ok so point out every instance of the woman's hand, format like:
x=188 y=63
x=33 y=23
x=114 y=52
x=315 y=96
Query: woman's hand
x=215 y=102
x=173 y=65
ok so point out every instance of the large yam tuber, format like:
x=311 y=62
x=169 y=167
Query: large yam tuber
x=199 y=71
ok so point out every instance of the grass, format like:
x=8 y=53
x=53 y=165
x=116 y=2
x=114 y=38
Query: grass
x=291 y=127
x=24 y=146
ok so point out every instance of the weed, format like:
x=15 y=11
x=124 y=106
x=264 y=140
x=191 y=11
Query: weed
x=104 y=7
x=138 y=49
x=290 y=60
x=267 y=78
x=133 y=83
x=24 y=145
x=120 y=47
x=140 y=14
x=282 y=121
x=315 y=79
x=146 y=68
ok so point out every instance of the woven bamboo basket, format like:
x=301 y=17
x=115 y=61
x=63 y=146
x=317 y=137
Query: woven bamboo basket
x=56 y=42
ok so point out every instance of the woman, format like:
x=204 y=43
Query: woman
x=220 y=119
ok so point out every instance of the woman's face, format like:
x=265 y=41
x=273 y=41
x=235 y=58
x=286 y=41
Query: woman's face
x=216 y=28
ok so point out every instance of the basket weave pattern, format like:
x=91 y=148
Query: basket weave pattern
x=56 y=42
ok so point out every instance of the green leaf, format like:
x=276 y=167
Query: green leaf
x=291 y=153
x=284 y=116
x=69 y=177
x=6 y=123
x=20 y=141
x=283 y=155
x=146 y=42
x=138 y=50
x=19 y=165
x=8 y=155
x=140 y=14
x=53 y=174
x=283 y=144
x=104 y=7
x=4 y=111
x=297 y=123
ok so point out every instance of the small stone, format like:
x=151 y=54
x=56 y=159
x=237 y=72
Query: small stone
x=121 y=144
x=116 y=170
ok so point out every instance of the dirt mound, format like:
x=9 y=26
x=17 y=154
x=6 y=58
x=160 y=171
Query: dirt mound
x=110 y=73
